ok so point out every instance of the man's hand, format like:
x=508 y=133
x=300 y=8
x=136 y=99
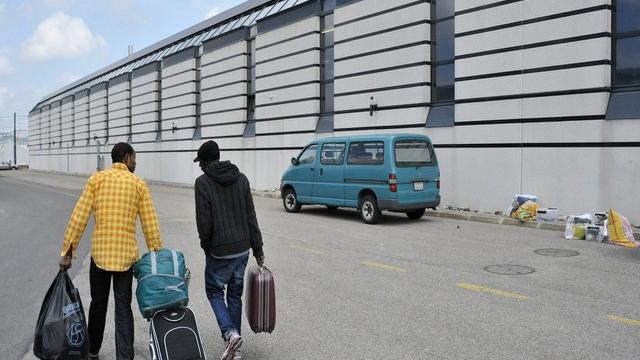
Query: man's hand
x=260 y=260
x=65 y=263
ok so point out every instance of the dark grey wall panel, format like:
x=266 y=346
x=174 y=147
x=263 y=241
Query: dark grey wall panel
x=120 y=79
x=183 y=55
x=241 y=34
x=67 y=99
x=290 y=16
x=82 y=93
x=147 y=69
x=98 y=87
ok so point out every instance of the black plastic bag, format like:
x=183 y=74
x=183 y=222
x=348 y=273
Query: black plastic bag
x=61 y=330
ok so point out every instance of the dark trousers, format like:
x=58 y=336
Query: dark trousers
x=100 y=281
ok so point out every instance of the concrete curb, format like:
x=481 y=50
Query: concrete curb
x=493 y=219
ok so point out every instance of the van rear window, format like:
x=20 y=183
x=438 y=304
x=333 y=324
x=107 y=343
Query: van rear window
x=414 y=153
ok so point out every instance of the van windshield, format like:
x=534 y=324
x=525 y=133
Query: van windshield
x=414 y=153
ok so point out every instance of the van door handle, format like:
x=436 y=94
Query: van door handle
x=320 y=171
x=311 y=169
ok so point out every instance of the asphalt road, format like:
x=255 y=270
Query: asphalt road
x=401 y=289
x=32 y=224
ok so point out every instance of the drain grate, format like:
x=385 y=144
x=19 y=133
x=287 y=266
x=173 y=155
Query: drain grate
x=557 y=252
x=509 y=269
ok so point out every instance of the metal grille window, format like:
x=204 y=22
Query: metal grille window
x=442 y=48
x=325 y=122
x=625 y=77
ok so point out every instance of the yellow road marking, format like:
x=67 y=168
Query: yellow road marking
x=307 y=249
x=383 y=266
x=487 y=290
x=623 y=320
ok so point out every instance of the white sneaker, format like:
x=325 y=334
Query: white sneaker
x=238 y=355
x=233 y=344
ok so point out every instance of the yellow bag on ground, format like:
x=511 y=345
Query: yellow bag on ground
x=526 y=211
x=620 y=231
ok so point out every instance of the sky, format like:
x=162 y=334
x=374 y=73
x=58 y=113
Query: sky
x=47 y=44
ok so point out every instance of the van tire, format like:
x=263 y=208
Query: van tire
x=331 y=207
x=415 y=214
x=290 y=201
x=369 y=210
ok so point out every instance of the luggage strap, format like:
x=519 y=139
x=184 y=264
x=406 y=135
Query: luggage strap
x=154 y=263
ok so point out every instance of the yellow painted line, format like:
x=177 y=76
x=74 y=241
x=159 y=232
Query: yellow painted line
x=491 y=291
x=623 y=320
x=383 y=266
x=307 y=249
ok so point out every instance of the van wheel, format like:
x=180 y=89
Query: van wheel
x=290 y=201
x=368 y=209
x=416 y=214
x=331 y=207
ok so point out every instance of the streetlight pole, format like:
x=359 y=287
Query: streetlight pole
x=15 y=141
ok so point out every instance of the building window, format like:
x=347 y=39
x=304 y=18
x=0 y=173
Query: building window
x=442 y=48
x=625 y=76
x=250 y=128
x=325 y=122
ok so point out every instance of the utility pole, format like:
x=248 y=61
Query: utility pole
x=15 y=141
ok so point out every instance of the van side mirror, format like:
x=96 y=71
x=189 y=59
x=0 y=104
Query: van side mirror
x=294 y=161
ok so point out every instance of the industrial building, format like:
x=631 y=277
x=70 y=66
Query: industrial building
x=518 y=96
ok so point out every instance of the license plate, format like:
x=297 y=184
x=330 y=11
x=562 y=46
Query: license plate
x=418 y=185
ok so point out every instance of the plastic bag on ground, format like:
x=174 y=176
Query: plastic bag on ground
x=518 y=200
x=577 y=232
x=61 y=329
x=526 y=211
x=620 y=231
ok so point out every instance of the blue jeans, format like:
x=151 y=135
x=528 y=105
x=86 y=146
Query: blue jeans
x=229 y=272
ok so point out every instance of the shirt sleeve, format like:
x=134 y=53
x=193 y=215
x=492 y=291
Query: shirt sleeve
x=204 y=214
x=254 y=229
x=149 y=220
x=79 y=218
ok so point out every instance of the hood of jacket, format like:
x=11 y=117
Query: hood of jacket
x=222 y=172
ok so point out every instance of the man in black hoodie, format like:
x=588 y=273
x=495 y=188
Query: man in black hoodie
x=227 y=227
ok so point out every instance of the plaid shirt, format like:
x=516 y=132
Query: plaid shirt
x=115 y=197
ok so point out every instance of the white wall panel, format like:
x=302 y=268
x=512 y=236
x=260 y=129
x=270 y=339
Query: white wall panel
x=506 y=85
x=411 y=95
x=363 y=8
x=398 y=57
x=382 y=41
x=293 y=61
x=226 y=104
x=493 y=16
x=223 y=53
x=291 y=77
x=178 y=68
x=226 y=65
x=233 y=89
x=292 y=93
x=570 y=79
x=223 y=79
x=179 y=79
x=287 y=32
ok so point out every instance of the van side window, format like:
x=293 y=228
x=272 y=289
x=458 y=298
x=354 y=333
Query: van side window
x=366 y=153
x=332 y=154
x=308 y=155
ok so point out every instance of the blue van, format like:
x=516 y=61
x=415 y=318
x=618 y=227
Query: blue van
x=371 y=173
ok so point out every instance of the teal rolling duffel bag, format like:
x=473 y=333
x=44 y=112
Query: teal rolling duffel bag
x=163 y=281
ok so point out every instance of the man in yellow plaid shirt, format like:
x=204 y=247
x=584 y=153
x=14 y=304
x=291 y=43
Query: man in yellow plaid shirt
x=116 y=198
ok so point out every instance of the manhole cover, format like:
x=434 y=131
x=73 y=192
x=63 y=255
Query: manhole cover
x=509 y=269
x=557 y=252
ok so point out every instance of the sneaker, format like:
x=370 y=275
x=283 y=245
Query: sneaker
x=233 y=344
x=94 y=357
x=238 y=355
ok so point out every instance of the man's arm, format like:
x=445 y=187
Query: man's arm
x=204 y=215
x=77 y=224
x=254 y=230
x=149 y=220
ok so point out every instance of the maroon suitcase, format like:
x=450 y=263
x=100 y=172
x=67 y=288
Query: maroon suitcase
x=260 y=301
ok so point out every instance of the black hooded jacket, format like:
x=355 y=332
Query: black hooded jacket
x=225 y=214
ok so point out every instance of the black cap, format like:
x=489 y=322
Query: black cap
x=208 y=151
